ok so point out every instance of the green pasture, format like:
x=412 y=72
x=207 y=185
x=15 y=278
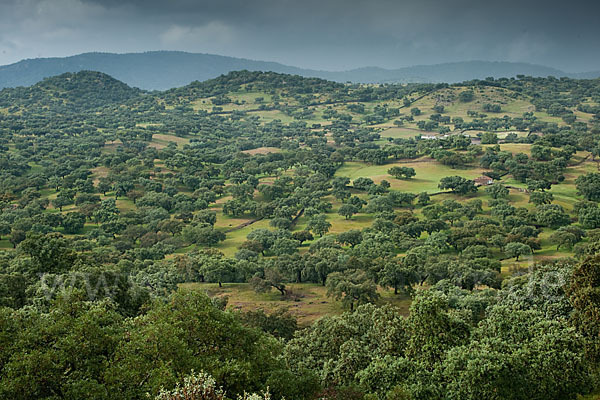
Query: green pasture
x=427 y=178
x=308 y=301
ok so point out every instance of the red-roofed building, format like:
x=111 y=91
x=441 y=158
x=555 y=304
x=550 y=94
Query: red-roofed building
x=483 y=181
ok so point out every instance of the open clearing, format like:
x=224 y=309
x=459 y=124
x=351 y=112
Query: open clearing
x=428 y=174
x=309 y=302
x=160 y=140
x=262 y=150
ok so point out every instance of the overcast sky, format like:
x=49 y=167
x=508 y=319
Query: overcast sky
x=322 y=34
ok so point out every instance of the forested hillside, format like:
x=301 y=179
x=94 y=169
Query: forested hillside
x=300 y=238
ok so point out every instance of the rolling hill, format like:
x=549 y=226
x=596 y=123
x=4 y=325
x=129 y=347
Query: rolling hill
x=78 y=91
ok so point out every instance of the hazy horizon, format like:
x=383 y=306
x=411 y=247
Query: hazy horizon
x=316 y=69
x=332 y=35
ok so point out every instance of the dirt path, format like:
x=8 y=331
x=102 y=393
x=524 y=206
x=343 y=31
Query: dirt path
x=248 y=223
x=245 y=224
x=296 y=217
x=581 y=162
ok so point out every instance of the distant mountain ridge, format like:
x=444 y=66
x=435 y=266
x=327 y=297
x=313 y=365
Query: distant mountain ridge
x=160 y=70
x=450 y=72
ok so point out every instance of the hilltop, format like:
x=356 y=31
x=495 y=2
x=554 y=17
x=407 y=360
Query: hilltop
x=76 y=91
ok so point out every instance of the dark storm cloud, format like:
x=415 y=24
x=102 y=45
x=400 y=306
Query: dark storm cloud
x=327 y=34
